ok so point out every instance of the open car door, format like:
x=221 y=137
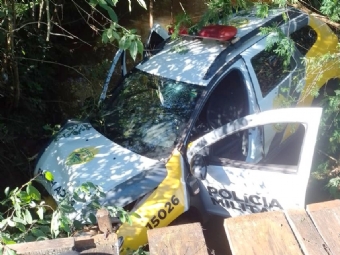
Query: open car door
x=231 y=186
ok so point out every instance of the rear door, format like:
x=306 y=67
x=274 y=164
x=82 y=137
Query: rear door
x=276 y=85
x=231 y=187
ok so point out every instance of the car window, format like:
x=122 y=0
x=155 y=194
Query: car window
x=270 y=70
x=227 y=102
x=284 y=148
x=304 y=39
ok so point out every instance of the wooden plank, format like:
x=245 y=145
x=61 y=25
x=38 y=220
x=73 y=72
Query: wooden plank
x=97 y=244
x=326 y=218
x=186 y=239
x=54 y=246
x=305 y=232
x=261 y=233
x=103 y=220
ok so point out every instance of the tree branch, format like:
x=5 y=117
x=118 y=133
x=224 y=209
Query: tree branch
x=48 y=18
x=323 y=18
x=56 y=63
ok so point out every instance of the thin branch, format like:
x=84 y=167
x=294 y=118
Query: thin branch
x=56 y=63
x=48 y=18
x=316 y=15
x=72 y=36
x=330 y=157
x=41 y=7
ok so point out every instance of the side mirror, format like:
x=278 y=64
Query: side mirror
x=198 y=167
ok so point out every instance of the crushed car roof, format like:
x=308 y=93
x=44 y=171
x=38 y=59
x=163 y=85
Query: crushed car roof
x=189 y=59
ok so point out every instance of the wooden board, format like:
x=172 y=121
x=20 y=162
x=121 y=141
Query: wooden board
x=305 y=232
x=186 y=239
x=54 y=246
x=261 y=233
x=326 y=218
x=97 y=244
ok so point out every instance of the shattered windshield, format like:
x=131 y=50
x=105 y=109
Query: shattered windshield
x=149 y=113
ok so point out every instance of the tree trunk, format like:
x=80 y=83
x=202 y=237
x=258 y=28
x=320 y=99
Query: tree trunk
x=10 y=55
x=151 y=13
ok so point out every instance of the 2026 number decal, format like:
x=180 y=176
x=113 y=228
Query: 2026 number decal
x=162 y=213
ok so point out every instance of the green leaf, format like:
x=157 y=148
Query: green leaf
x=9 y=251
x=24 y=197
x=49 y=176
x=110 y=11
x=134 y=214
x=142 y=3
x=109 y=33
x=105 y=39
x=55 y=223
x=140 y=47
x=77 y=198
x=93 y=3
x=40 y=213
x=45 y=229
x=67 y=208
x=7 y=191
x=116 y=35
x=92 y=218
x=19 y=220
x=33 y=192
x=124 y=42
x=1 y=250
x=6 y=240
x=30 y=238
x=10 y=223
x=77 y=224
x=3 y=223
x=20 y=226
x=133 y=50
x=122 y=217
x=37 y=232
x=64 y=224
x=28 y=217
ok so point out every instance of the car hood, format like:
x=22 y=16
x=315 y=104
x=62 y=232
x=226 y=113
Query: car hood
x=79 y=154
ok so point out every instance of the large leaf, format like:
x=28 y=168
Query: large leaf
x=10 y=223
x=20 y=226
x=133 y=49
x=77 y=224
x=140 y=47
x=6 y=239
x=7 y=191
x=3 y=223
x=110 y=11
x=105 y=39
x=77 y=198
x=142 y=3
x=37 y=232
x=33 y=192
x=19 y=220
x=124 y=42
x=28 y=217
x=55 y=223
x=92 y=218
x=24 y=197
x=48 y=176
x=40 y=212
x=9 y=251
x=67 y=208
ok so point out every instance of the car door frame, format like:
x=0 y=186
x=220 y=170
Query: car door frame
x=309 y=117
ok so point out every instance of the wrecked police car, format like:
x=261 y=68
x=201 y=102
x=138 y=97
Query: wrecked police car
x=198 y=125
